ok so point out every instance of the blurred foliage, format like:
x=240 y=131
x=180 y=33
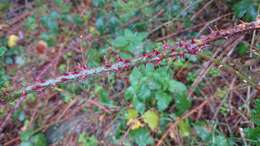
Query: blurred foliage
x=29 y=138
x=253 y=134
x=246 y=9
x=85 y=140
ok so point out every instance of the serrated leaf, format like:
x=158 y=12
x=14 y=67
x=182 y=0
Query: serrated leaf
x=135 y=76
x=163 y=100
x=120 y=42
x=131 y=114
x=182 y=104
x=144 y=92
x=141 y=137
x=151 y=118
x=177 y=87
x=139 y=106
x=129 y=93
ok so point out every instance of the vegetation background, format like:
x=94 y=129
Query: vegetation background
x=208 y=98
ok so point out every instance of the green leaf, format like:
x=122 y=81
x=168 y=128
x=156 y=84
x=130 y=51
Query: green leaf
x=120 y=42
x=149 y=68
x=245 y=9
x=78 y=20
x=219 y=140
x=153 y=85
x=182 y=104
x=135 y=76
x=3 y=77
x=30 y=23
x=125 y=55
x=50 y=22
x=26 y=144
x=151 y=118
x=177 y=87
x=86 y=140
x=29 y=139
x=26 y=135
x=163 y=100
x=202 y=132
x=2 y=51
x=64 y=9
x=54 y=15
x=100 y=24
x=4 y=5
x=139 y=106
x=98 y=3
x=104 y=96
x=184 y=128
x=48 y=37
x=94 y=58
x=256 y=113
x=39 y=140
x=253 y=134
x=144 y=92
x=131 y=114
x=242 y=48
x=58 y=2
x=129 y=93
x=141 y=137
x=180 y=92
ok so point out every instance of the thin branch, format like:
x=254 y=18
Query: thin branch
x=192 y=46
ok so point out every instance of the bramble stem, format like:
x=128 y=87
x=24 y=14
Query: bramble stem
x=192 y=46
